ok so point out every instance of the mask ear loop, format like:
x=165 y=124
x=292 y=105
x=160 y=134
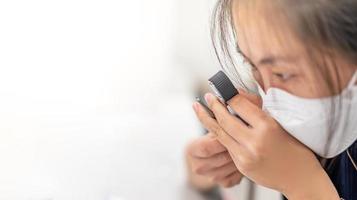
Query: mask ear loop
x=353 y=80
x=351 y=159
x=260 y=90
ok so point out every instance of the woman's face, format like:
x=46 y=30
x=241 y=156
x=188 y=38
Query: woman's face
x=279 y=59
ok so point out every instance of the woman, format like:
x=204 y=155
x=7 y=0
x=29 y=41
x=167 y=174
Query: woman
x=301 y=137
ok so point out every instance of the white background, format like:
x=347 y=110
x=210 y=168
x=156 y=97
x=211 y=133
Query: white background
x=95 y=97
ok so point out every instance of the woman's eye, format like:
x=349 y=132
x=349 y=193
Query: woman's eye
x=284 y=76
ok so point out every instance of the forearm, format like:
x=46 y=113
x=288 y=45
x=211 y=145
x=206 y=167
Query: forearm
x=317 y=186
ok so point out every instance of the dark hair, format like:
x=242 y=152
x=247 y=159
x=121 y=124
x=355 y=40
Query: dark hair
x=326 y=26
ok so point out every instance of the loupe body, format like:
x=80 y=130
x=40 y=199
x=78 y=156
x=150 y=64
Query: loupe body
x=224 y=89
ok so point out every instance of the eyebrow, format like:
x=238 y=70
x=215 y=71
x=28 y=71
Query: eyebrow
x=271 y=59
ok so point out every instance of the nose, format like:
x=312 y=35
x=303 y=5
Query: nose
x=263 y=77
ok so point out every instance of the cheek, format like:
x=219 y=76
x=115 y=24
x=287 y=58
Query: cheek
x=302 y=87
x=309 y=84
x=299 y=86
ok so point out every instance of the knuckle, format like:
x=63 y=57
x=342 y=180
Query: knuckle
x=215 y=105
x=224 y=138
x=247 y=165
x=227 y=183
x=258 y=148
x=264 y=125
x=225 y=157
x=241 y=100
x=215 y=128
x=199 y=169
x=217 y=178
x=263 y=116
x=223 y=183
x=238 y=99
x=223 y=121
x=204 y=149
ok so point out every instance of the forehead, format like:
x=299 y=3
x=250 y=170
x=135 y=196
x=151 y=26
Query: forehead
x=263 y=30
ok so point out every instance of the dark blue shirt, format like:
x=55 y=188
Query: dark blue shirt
x=344 y=175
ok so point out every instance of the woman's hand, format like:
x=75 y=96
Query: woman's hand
x=208 y=158
x=265 y=152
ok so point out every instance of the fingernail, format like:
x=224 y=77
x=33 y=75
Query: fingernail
x=208 y=97
x=195 y=106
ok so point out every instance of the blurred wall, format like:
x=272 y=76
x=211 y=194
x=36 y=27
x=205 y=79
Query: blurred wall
x=95 y=97
x=79 y=81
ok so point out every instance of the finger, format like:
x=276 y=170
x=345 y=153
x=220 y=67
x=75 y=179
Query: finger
x=228 y=141
x=235 y=149
x=255 y=99
x=207 y=121
x=247 y=110
x=218 y=174
x=230 y=124
x=231 y=180
x=204 y=165
x=205 y=147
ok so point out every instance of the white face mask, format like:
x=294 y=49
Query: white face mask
x=309 y=120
